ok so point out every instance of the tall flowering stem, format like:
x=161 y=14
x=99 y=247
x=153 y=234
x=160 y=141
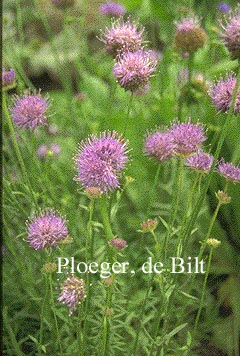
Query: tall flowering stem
x=105 y=218
x=203 y=291
x=175 y=203
x=222 y=137
x=18 y=152
x=88 y=258
x=128 y=113
x=54 y=314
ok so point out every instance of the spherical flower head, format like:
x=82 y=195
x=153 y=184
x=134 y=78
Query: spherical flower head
x=229 y=171
x=121 y=37
x=46 y=229
x=187 y=138
x=112 y=9
x=159 y=145
x=221 y=94
x=189 y=36
x=201 y=162
x=63 y=4
x=134 y=69
x=231 y=33
x=8 y=79
x=73 y=293
x=55 y=149
x=29 y=111
x=100 y=161
x=42 y=151
x=118 y=243
x=224 y=7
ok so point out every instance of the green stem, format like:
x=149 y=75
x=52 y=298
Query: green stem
x=88 y=258
x=54 y=314
x=17 y=150
x=128 y=113
x=175 y=203
x=152 y=191
x=79 y=330
x=203 y=291
x=42 y=318
x=185 y=217
x=105 y=218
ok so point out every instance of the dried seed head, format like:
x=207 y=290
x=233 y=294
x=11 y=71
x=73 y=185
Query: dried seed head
x=189 y=36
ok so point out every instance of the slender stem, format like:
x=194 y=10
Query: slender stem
x=152 y=191
x=105 y=218
x=79 y=331
x=42 y=317
x=175 y=203
x=17 y=150
x=54 y=314
x=203 y=291
x=128 y=113
x=88 y=258
x=185 y=217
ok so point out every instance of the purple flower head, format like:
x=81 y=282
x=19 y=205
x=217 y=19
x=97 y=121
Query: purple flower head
x=187 y=138
x=112 y=9
x=121 y=37
x=73 y=293
x=221 y=94
x=231 y=33
x=55 y=149
x=118 y=243
x=8 y=78
x=42 y=151
x=201 y=162
x=134 y=69
x=29 y=111
x=63 y=3
x=99 y=161
x=224 y=7
x=189 y=36
x=46 y=229
x=229 y=171
x=52 y=129
x=159 y=145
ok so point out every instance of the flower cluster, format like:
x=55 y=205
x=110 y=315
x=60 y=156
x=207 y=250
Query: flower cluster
x=100 y=161
x=201 y=162
x=29 y=111
x=44 y=151
x=221 y=94
x=112 y=9
x=46 y=229
x=134 y=69
x=8 y=78
x=230 y=33
x=229 y=171
x=122 y=37
x=181 y=139
x=73 y=293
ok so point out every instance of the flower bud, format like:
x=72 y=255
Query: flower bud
x=213 y=243
x=149 y=225
x=223 y=197
x=118 y=243
x=50 y=267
